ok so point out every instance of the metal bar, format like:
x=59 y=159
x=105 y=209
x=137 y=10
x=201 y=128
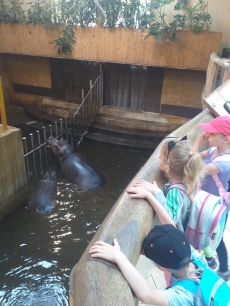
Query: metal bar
x=44 y=136
x=102 y=89
x=51 y=130
x=33 y=155
x=66 y=123
x=61 y=126
x=73 y=133
x=26 y=159
x=90 y=101
x=56 y=128
x=96 y=102
x=39 y=149
x=77 y=126
x=83 y=106
x=2 y=108
x=99 y=92
x=71 y=126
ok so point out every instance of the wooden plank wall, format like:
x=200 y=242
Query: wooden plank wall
x=120 y=45
x=24 y=70
x=181 y=92
x=169 y=91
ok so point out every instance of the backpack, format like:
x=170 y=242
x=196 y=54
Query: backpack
x=211 y=290
x=224 y=194
x=206 y=221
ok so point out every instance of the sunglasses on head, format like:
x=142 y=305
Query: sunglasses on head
x=172 y=143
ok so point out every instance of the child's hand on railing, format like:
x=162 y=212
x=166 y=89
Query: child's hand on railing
x=151 y=187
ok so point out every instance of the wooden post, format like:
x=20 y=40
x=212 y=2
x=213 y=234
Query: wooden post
x=226 y=75
x=211 y=75
x=2 y=108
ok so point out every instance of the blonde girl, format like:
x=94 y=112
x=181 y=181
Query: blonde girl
x=182 y=168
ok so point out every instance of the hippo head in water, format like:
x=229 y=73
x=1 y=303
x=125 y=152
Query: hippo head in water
x=75 y=167
x=60 y=148
x=44 y=197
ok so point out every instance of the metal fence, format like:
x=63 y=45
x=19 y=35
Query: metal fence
x=72 y=129
x=88 y=109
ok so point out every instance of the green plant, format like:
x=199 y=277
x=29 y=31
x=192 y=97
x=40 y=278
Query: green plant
x=196 y=18
x=10 y=12
x=65 y=43
x=158 y=25
x=140 y=14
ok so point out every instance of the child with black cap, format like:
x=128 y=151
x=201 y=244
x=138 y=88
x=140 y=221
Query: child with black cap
x=170 y=250
x=217 y=134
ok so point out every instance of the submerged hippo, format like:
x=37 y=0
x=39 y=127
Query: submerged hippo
x=45 y=193
x=75 y=167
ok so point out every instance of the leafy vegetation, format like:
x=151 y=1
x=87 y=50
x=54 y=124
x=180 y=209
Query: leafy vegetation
x=66 y=14
x=65 y=43
x=195 y=18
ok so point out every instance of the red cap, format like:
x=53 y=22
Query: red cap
x=218 y=125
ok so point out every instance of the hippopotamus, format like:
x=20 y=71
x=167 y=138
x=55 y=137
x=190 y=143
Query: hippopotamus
x=44 y=197
x=75 y=167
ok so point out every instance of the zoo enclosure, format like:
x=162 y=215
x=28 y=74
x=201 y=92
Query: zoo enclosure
x=71 y=129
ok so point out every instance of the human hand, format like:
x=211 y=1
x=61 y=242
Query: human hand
x=106 y=251
x=225 y=60
x=151 y=187
x=138 y=192
x=202 y=139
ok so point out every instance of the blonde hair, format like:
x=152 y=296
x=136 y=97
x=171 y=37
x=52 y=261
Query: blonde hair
x=189 y=167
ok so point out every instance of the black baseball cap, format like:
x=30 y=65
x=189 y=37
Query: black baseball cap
x=168 y=247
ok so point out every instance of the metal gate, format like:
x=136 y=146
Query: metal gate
x=72 y=129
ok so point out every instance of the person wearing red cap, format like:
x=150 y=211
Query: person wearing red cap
x=217 y=134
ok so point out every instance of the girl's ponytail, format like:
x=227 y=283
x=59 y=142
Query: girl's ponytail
x=193 y=173
x=189 y=167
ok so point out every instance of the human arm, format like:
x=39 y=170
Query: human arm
x=210 y=169
x=141 y=288
x=142 y=193
x=151 y=187
x=201 y=139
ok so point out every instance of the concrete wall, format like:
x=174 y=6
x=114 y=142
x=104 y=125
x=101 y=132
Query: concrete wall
x=13 y=181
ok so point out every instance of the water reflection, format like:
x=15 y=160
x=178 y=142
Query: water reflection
x=37 y=251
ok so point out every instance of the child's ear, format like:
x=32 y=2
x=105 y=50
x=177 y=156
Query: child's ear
x=227 y=139
x=167 y=169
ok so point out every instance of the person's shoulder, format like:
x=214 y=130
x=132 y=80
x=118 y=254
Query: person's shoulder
x=178 y=295
x=223 y=165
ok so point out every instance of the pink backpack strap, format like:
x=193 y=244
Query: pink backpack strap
x=225 y=157
x=224 y=194
x=219 y=186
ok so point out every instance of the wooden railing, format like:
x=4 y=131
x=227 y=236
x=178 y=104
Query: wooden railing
x=99 y=282
x=2 y=108
x=217 y=68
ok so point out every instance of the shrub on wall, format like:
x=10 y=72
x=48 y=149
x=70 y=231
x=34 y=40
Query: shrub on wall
x=67 y=14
